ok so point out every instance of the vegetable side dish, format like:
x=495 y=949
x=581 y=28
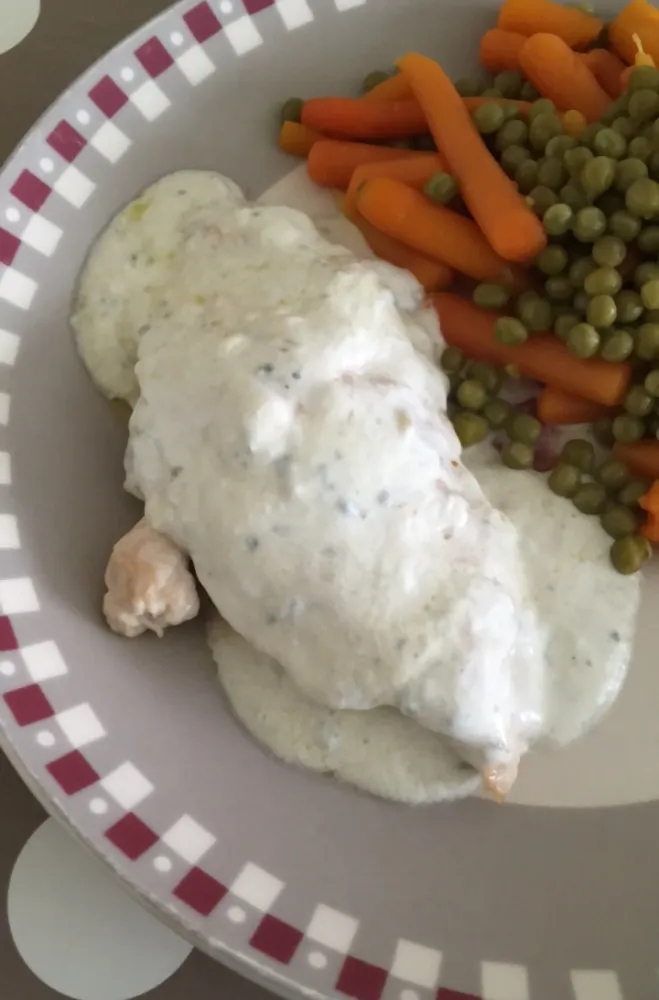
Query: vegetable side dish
x=404 y=602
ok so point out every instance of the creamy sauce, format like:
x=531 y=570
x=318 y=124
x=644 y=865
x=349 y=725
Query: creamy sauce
x=289 y=432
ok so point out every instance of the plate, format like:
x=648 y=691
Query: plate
x=302 y=884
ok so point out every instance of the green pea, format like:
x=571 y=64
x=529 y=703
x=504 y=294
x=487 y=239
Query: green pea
x=452 y=360
x=643 y=105
x=557 y=221
x=603 y=281
x=611 y=201
x=512 y=133
x=558 y=288
x=471 y=428
x=576 y=159
x=469 y=86
x=563 y=324
x=617 y=346
x=597 y=176
x=629 y=306
x=526 y=176
x=511 y=111
x=564 y=480
x=650 y=294
x=292 y=110
x=590 y=498
x=573 y=195
x=652 y=383
x=609 y=251
x=510 y=331
x=629 y=554
x=624 y=225
x=580 y=270
x=529 y=93
x=490 y=296
x=601 y=312
x=472 y=395
x=603 y=432
x=541 y=198
x=627 y=171
x=589 y=224
x=633 y=492
x=643 y=78
x=590 y=133
x=651 y=316
x=583 y=340
x=648 y=271
x=638 y=401
x=492 y=92
x=497 y=412
x=552 y=173
x=509 y=83
x=653 y=165
x=560 y=144
x=581 y=301
x=642 y=198
x=627 y=428
x=534 y=312
x=525 y=428
x=648 y=240
x=488 y=118
x=579 y=453
x=441 y=188
x=640 y=148
x=647 y=341
x=543 y=106
x=517 y=455
x=512 y=157
x=610 y=144
x=615 y=109
x=542 y=128
x=553 y=259
x=619 y=521
x=625 y=127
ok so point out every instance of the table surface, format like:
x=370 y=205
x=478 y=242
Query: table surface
x=68 y=36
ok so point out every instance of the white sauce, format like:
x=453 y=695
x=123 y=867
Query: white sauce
x=289 y=432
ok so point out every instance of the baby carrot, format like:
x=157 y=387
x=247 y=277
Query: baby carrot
x=641 y=458
x=415 y=171
x=296 y=139
x=444 y=235
x=606 y=68
x=558 y=407
x=638 y=18
x=559 y=74
x=432 y=275
x=360 y=119
x=543 y=357
x=506 y=221
x=576 y=28
x=499 y=50
x=331 y=162
x=396 y=88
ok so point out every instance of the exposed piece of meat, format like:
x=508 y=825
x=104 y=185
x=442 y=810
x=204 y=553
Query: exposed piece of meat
x=149 y=584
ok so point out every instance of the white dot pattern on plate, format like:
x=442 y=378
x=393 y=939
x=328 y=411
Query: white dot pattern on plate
x=236 y=915
x=127 y=74
x=162 y=864
x=176 y=38
x=46 y=738
x=317 y=960
x=13 y=215
x=409 y=995
x=7 y=669
x=98 y=806
x=83 y=117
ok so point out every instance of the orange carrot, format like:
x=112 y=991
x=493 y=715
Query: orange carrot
x=431 y=274
x=559 y=74
x=574 y=123
x=499 y=50
x=641 y=458
x=505 y=219
x=575 y=27
x=415 y=171
x=650 y=503
x=396 y=88
x=606 y=68
x=638 y=18
x=360 y=119
x=558 y=407
x=544 y=357
x=296 y=139
x=331 y=162
x=444 y=235
x=472 y=103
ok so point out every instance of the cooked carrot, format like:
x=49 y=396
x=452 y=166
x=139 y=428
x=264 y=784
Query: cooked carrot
x=641 y=458
x=472 y=103
x=396 y=88
x=405 y=214
x=543 y=357
x=431 y=274
x=297 y=139
x=606 y=68
x=650 y=503
x=558 y=407
x=415 y=171
x=332 y=162
x=638 y=18
x=529 y=17
x=574 y=123
x=505 y=219
x=359 y=119
x=499 y=50
x=559 y=74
